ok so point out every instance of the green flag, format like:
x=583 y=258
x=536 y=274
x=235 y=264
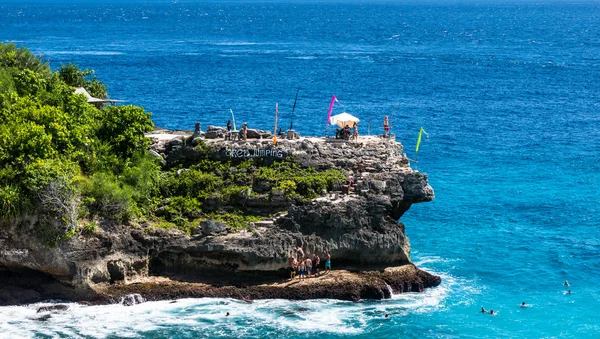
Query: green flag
x=419 y=139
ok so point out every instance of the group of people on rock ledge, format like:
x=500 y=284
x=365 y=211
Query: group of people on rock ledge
x=303 y=266
x=347 y=133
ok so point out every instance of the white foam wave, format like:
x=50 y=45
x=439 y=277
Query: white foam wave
x=302 y=57
x=234 y=43
x=433 y=260
x=327 y=316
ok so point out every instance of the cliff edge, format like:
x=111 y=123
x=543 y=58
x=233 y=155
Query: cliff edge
x=357 y=223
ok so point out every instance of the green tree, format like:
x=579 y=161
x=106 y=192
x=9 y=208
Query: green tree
x=21 y=58
x=123 y=128
x=73 y=76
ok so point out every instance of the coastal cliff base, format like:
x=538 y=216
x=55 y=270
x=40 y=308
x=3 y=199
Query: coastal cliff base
x=336 y=284
x=315 y=194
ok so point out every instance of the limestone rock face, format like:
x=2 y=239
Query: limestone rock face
x=210 y=227
x=214 y=132
x=360 y=229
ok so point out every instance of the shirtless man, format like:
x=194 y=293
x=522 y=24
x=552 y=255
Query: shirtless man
x=301 y=268
x=327 y=261
x=317 y=260
x=299 y=253
x=293 y=266
x=308 y=266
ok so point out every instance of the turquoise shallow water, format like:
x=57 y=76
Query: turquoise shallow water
x=508 y=93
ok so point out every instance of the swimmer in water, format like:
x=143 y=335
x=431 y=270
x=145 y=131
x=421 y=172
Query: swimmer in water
x=566 y=283
x=227 y=315
x=386 y=316
x=483 y=310
x=492 y=312
x=523 y=304
x=569 y=292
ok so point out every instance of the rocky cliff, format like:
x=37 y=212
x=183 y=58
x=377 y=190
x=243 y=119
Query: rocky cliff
x=357 y=223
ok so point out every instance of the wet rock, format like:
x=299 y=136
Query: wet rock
x=52 y=308
x=45 y=317
x=132 y=299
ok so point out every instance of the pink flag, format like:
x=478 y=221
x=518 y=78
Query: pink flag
x=333 y=101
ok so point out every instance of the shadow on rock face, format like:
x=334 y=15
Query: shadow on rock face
x=25 y=286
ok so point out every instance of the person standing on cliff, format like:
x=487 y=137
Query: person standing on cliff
x=229 y=125
x=299 y=253
x=293 y=267
x=327 y=261
x=308 y=266
x=350 y=182
x=360 y=168
x=245 y=131
x=301 y=269
x=355 y=133
x=317 y=262
x=386 y=126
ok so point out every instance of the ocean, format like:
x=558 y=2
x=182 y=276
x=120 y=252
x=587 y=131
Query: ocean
x=509 y=94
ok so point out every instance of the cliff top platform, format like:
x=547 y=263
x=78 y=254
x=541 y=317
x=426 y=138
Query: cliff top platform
x=367 y=154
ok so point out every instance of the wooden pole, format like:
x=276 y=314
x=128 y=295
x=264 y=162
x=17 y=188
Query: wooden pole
x=275 y=129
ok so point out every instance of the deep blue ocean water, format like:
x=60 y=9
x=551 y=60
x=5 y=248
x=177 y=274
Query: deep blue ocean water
x=508 y=93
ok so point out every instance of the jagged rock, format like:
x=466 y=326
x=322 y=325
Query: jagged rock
x=116 y=270
x=215 y=132
x=197 y=231
x=210 y=227
x=361 y=231
x=253 y=133
x=215 y=128
x=52 y=308
x=132 y=299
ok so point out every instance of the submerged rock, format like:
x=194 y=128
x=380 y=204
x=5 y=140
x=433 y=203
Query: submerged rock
x=52 y=308
x=132 y=299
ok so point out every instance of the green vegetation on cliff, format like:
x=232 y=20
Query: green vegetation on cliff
x=62 y=156
x=68 y=161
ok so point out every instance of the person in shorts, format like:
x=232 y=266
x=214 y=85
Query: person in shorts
x=316 y=263
x=386 y=126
